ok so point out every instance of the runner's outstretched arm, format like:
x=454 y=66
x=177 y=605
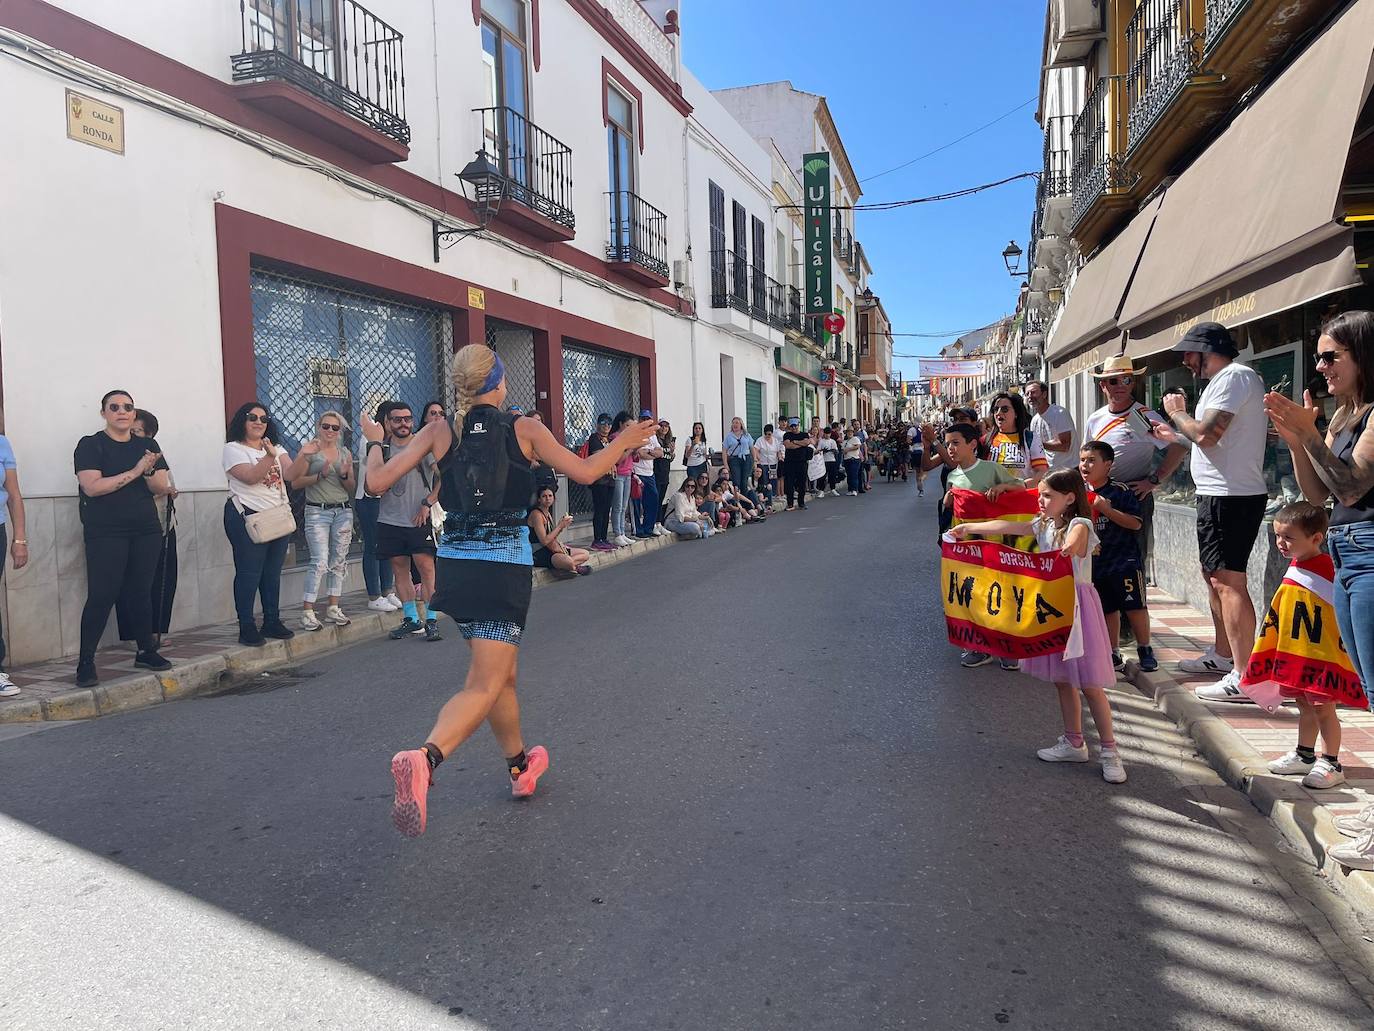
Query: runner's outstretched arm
x=383 y=474
x=539 y=444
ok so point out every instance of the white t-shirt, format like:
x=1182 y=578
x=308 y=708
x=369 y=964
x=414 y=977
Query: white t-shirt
x=644 y=465
x=1125 y=432
x=684 y=508
x=256 y=496
x=1046 y=427
x=698 y=453
x=1234 y=467
x=912 y=433
x=830 y=451
x=852 y=446
x=1048 y=538
x=769 y=452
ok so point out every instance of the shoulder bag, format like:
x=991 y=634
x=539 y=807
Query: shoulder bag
x=273 y=523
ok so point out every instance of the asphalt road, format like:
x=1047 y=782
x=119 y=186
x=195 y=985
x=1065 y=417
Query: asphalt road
x=775 y=801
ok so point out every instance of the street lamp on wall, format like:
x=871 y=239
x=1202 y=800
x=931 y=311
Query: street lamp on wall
x=1011 y=255
x=483 y=187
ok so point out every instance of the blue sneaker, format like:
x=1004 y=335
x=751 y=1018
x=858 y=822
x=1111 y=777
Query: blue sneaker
x=1148 y=662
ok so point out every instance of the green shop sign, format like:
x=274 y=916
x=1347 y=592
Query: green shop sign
x=816 y=181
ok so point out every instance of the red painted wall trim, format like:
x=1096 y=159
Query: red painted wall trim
x=604 y=22
x=609 y=72
x=241 y=235
x=115 y=53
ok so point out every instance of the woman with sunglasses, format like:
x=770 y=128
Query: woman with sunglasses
x=165 y=572
x=1012 y=444
x=255 y=466
x=324 y=470
x=119 y=474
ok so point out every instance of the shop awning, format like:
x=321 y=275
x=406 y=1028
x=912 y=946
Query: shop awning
x=1249 y=229
x=1090 y=314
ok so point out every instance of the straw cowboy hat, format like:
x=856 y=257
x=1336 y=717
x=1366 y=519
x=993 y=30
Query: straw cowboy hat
x=1118 y=365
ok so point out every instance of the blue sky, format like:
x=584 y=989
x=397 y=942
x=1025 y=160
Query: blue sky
x=905 y=78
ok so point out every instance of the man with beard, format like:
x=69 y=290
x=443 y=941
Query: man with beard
x=404 y=531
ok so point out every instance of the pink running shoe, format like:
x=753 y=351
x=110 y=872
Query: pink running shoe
x=411 y=772
x=537 y=764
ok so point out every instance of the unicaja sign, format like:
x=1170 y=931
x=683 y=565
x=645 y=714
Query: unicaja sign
x=816 y=183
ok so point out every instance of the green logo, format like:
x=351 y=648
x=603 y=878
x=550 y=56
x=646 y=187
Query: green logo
x=817 y=165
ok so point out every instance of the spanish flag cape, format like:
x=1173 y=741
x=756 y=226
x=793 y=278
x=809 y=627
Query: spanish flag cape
x=1019 y=505
x=1299 y=649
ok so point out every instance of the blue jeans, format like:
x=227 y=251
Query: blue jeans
x=376 y=572
x=691 y=531
x=768 y=480
x=742 y=475
x=620 y=498
x=329 y=532
x=1352 y=550
x=257 y=569
x=647 y=515
x=854 y=474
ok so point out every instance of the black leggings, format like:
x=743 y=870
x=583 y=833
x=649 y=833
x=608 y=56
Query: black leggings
x=601 y=510
x=119 y=569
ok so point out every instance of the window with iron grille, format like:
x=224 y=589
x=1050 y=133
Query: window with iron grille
x=320 y=345
x=515 y=345
x=594 y=382
x=717 y=205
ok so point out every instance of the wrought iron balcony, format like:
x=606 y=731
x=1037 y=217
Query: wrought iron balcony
x=729 y=281
x=336 y=51
x=638 y=238
x=1220 y=15
x=535 y=168
x=1164 y=55
x=1057 y=178
x=844 y=242
x=794 y=310
x=777 y=301
x=1097 y=165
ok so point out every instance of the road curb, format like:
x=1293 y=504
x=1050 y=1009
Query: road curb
x=192 y=677
x=1307 y=826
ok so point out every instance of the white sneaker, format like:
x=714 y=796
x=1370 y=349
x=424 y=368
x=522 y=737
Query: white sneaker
x=1357 y=854
x=396 y=604
x=623 y=541
x=1208 y=662
x=8 y=688
x=309 y=621
x=380 y=605
x=1113 y=772
x=335 y=615
x=1354 y=826
x=1290 y=764
x=659 y=531
x=1227 y=689
x=1063 y=752
x=1325 y=774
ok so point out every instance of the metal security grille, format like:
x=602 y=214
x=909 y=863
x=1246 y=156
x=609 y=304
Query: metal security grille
x=594 y=382
x=515 y=345
x=753 y=407
x=319 y=346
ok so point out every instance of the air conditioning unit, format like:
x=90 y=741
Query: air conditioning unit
x=682 y=272
x=1075 y=26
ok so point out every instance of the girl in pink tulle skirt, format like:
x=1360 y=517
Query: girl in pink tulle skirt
x=1065 y=524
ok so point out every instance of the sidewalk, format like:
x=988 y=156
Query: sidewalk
x=1239 y=740
x=209 y=658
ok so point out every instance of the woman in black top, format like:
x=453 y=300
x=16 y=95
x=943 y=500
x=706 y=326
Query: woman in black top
x=601 y=488
x=165 y=574
x=119 y=473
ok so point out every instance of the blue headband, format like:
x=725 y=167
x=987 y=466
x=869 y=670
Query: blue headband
x=495 y=376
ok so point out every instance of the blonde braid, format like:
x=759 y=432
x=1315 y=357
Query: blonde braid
x=471 y=366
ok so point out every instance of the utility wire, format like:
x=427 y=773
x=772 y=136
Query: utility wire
x=951 y=143
x=892 y=205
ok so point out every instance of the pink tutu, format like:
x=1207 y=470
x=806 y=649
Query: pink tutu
x=1091 y=669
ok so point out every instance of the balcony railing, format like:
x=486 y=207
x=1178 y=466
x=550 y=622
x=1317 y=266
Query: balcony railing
x=794 y=310
x=777 y=301
x=1220 y=15
x=735 y=283
x=1163 y=54
x=1057 y=179
x=638 y=233
x=1097 y=166
x=335 y=50
x=844 y=242
x=536 y=169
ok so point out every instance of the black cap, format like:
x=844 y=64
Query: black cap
x=1209 y=338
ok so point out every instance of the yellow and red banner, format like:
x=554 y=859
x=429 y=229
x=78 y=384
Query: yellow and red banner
x=1299 y=649
x=1022 y=506
x=1008 y=603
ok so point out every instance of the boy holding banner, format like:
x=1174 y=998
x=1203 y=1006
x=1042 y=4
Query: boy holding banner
x=1299 y=653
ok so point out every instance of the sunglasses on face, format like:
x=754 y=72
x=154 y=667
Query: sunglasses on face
x=333 y=427
x=1119 y=381
x=250 y=417
x=400 y=418
x=1326 y=358
x=115 y=406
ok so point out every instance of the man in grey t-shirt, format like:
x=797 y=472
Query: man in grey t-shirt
x=405 y=535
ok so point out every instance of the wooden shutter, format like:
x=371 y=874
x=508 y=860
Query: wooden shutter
x=717 y=244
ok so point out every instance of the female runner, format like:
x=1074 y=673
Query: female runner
x=484 y=561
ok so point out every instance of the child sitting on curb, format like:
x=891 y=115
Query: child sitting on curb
x=1118 y=574
x=1292 y=660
